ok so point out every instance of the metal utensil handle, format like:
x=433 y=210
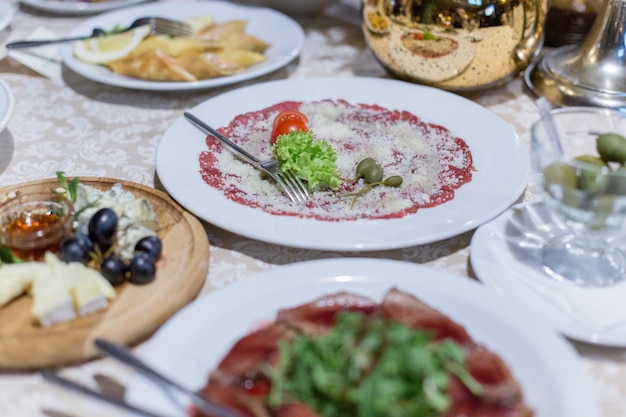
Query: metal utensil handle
x=124 y=355
x=32 y=44
x=199 y=123
x=73 y=386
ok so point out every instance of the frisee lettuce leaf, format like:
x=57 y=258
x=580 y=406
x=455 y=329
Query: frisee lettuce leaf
x=313 y=160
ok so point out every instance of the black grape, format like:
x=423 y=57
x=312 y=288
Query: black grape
x=76 y=249
x=150 y=245
x=141 y=269
x=114 y=270
x=102 y=227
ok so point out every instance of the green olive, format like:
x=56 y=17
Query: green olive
x=393 y=181
x=602 y=207
x=592 y=179
x=373 y=174
x=590 y=159
x=612 y=147
x=364 y=166
x=561 y=174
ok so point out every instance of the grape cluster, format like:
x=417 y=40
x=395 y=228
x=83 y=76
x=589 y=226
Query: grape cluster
x=98 y=246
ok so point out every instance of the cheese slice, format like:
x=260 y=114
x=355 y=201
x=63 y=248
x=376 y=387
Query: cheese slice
x=90 y=291
x=16 y=279
x=68 y=290
x=52 y=300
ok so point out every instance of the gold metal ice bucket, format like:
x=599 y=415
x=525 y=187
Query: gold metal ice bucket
x=457 y=45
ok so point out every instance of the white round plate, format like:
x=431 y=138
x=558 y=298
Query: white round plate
x=191 y=344
x=505 y=256
x=499 y=156
x=78 y=7
x=7 y=102
x=6 y=15
x=285 y=36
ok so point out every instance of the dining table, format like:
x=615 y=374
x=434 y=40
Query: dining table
x=64 y=122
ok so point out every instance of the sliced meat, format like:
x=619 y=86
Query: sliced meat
x=499 y=386
x=318 y=316
x=406 y=308
x=240 y=383
x=295 y=410
x=251 y=352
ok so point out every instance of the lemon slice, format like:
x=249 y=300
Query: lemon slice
x=105 y=49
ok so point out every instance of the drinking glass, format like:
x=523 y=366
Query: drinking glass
x=585 y=194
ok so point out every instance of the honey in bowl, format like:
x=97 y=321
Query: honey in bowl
x=32 y=224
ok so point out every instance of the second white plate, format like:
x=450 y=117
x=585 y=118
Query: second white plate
x=505 y=256
x=191 y=344
x=500 y=158
x=285 y=36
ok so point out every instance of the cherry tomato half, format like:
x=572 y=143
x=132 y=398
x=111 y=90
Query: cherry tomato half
x=289 y=121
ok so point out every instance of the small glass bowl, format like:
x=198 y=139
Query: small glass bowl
x=34 y=223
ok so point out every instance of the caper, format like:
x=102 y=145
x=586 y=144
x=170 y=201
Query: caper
x=612 y=147
x=373 y=174
x=393 y=181
x=364 y=166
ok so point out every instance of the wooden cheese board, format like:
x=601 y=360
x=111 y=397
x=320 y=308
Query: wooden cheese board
x=137 y=311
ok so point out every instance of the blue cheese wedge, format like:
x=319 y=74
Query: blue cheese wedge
x=136 y=216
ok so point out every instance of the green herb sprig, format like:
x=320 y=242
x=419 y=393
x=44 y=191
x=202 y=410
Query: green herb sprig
x=369 y=367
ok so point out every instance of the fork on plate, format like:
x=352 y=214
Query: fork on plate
x=158 y=26
x=290 y=183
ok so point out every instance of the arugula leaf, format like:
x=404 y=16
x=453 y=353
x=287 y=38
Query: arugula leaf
x=312 y=160
x=369 y=367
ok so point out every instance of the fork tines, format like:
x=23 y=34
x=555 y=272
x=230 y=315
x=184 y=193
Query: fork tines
x=293 y=186
x=161 y=25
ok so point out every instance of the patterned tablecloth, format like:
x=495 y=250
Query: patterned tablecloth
x=84 y=128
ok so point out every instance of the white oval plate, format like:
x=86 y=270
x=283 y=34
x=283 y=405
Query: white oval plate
x=499 y=156
x=78 y=8
x=283 y=33
x=7 y=102
x=191 y=344
x=504 y=256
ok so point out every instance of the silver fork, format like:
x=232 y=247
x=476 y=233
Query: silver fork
x=158 y=26
x=290 y=183
x=124 y=355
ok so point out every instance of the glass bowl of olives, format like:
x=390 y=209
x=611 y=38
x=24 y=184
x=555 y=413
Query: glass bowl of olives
x=33 y=223
x=579 y=155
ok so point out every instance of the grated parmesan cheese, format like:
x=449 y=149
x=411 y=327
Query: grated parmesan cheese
x=431 y=161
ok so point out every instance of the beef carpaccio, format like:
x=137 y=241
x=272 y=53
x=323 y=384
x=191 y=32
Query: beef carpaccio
x=244 y=378
x=431 y=160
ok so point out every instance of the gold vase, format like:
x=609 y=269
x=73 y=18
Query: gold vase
x=457 y=45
